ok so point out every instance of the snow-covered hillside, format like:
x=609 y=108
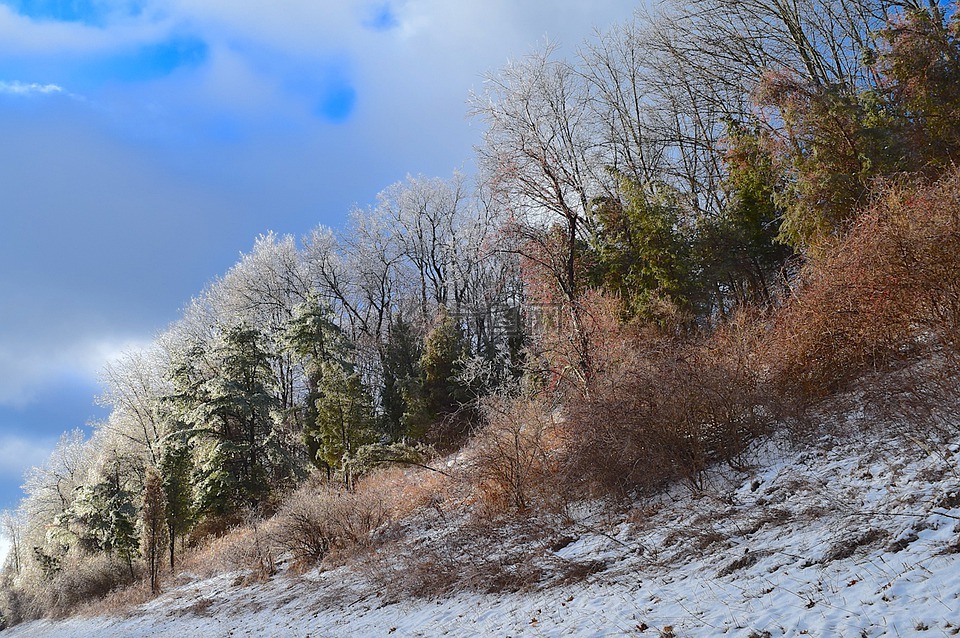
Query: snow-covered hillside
x=859 y=536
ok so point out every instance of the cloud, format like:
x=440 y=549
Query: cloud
x=147 y=61
x=89 y=12
x=25 y=371
x=382 y=18
x=338 y=100
x=25 y=89
x=18 y=454
x=24 y=38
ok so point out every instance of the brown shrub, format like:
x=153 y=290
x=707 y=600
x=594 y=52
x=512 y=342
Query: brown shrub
x=404 y=490
x=250 y=545
x=667 y=412
x=84 y=580
x=320 y=518
x=889 y=287
x=515 y=450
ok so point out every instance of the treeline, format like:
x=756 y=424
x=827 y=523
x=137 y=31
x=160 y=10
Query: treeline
x=688 y=169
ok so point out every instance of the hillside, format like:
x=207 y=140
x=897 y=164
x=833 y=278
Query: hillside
x=856 y=535
x=626 y=379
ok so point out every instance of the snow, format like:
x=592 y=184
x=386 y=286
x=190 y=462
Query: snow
x=857 y=536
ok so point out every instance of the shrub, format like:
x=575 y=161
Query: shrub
x=667 y=412
x=512 y=453
x=85 y=580
x=872 y=298
x=318 y=519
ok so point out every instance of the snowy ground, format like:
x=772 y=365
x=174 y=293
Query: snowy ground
x=859 y=537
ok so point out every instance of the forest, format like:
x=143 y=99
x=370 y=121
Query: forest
x=689 y=235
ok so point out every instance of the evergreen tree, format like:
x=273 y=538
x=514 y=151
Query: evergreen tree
x=643 y=252
x=345 y=418
x=176 y=467
x=401 y=370
x=739 y=250
x=229 y=412
x=312 y=336
x=102 y=518
x=438 y=394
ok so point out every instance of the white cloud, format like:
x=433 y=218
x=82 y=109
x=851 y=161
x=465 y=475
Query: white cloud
x=18 y=454
x=20 y=35
x=25 y=370
x=21 y=88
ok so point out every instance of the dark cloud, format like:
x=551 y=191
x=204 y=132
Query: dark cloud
x=28 y=433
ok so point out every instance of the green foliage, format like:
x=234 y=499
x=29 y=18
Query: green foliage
x=176 y=467
x=216 y=484
x=345 y=418
x=401 y=369
x=235 y=408
x=102 y=518
x=316 y=340
x=738 y=250
x=836 y=142
x=643 y=252
x=438 y=394
x=153 y=523
x=373 y=455
x=921 y=67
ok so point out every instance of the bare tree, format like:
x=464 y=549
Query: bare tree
x=540 y=149
x=132 y=386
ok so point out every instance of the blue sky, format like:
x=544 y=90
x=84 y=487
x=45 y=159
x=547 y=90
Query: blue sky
x=144 y=144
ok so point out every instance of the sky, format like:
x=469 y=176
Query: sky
x=144 y=144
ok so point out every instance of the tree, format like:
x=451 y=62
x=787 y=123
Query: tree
x=537 y=153
x=345 y=419
x=919 y=63
x=102 y=518
x=739 y=249
x=438 y=397
x=400 y=372
x=313 y=337
x=644 y=253
x=12 y=525
x=154 y=535
x=223 y=397
x=175 y=470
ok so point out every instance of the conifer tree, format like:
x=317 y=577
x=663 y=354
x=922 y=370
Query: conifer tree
x=401 y=370
x=345 y=418
x=439 y=394
x=315 y=339
x=175 y=469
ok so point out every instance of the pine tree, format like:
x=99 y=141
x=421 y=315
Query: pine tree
x=643 y=252
x=401 y=370
x=312 y=336
x=438 y=394
x=176 y=466
x=345 y=418
x=231 y=413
